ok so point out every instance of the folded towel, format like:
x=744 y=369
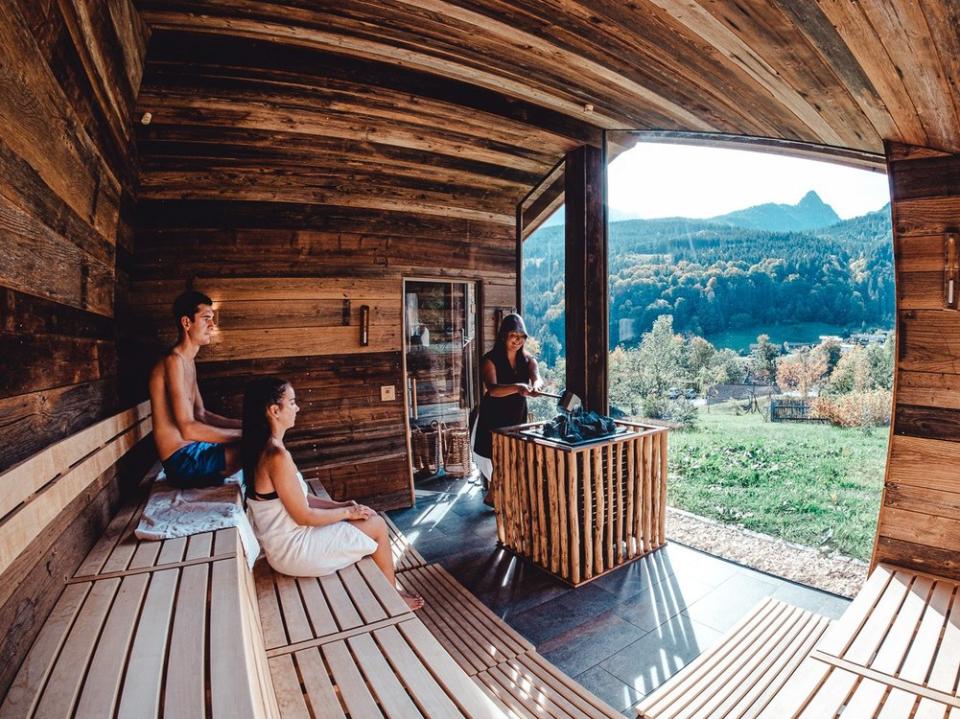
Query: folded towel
x=172 y=513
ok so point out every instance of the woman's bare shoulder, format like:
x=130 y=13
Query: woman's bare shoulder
x=275 y=455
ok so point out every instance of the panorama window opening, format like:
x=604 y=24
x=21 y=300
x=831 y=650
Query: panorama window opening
x=751 y=310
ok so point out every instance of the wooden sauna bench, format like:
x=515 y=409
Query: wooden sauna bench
x=580 y=511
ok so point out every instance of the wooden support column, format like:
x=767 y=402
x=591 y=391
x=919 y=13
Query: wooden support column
x=586 y=278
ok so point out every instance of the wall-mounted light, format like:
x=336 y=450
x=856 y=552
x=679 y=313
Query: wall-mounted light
x=364 y=325
x=497 y=319
x=951 y=270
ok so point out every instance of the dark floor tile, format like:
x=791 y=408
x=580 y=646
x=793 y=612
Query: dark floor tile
x=803 y=597
x=657 y=604
x=690 y=563
x=648 y=662
x=730 y=602
x=588 y=644
x=565 y=613
x=631 y=579
x=607 y=687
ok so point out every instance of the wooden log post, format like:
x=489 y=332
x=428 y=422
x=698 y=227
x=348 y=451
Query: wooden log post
x=572 y=514
x=601 y=510
x=586 y=278
x=631 y=486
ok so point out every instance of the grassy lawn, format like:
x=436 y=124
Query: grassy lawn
x=812 y=484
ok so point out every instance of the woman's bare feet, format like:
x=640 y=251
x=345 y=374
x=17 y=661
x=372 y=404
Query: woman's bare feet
x=414 y=601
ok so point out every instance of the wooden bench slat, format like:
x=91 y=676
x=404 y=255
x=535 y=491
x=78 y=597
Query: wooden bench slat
x=750 y=671
x=832 y=695
x=922 y=654
x=287 y=686
x=946 y=667
x=467 y=695
x=102 y=687
x=393 y=697
x=321 y=618
x=200 y=546
x=838 y=637
x=867 y=698
x=323 y=697
x=416 y=678
x=793 y=696
x=752 y=704
x=294 y=614
x=903 y=628
x=122 y=524
x=39 y=662
x=145 y=667
x=405 y=555
x=571 y=691
x=172 y=550
x=900 y=703
x=875 y=629
x=526 y=694
x=271 y=618
x=145 y=554
x=231 y=693
x=386 y=594
x=339 y=601
x=929 y=709
x=366 y=602
x=350 y=683
x=184 y=692
x=63 y=686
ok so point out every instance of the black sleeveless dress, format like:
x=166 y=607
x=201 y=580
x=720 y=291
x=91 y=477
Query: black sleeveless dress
x=501 y=411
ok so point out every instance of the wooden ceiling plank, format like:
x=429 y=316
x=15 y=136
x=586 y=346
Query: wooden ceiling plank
x=775 y=38
x=910 y=45
x=871 y=54
x=823 y=36
x=699 y=20
x=369 y=49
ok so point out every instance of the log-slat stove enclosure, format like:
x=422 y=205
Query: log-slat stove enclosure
x=286 y=157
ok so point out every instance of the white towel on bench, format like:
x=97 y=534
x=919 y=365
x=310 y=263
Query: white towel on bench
x=172 y=513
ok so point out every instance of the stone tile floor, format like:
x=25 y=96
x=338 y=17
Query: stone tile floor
x=623 y=634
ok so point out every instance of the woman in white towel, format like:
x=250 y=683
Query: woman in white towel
x=301 y=535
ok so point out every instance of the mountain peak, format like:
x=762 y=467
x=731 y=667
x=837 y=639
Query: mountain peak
x=811 y=213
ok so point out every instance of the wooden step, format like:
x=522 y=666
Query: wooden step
x=738 y=677
x=476 y=637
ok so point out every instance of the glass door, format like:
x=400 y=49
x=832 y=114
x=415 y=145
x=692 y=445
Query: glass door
x=442 y=360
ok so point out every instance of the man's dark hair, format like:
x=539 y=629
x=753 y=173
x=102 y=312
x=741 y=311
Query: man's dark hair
x=188 y=304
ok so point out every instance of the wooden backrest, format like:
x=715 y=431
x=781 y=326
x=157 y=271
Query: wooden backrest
x=919 y=523
x=35 y=491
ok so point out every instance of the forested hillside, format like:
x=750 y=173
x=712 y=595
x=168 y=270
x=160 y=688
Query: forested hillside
x=714 y=278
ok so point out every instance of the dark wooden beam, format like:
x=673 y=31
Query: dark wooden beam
x=586 y=278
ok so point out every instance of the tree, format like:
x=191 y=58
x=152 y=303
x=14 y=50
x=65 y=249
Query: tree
x=661 y=356
x=763 y=359
x=801 y=370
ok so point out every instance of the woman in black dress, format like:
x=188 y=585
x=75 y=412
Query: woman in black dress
x=510 y=375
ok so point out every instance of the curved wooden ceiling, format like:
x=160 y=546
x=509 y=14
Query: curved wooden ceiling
x=457 y=109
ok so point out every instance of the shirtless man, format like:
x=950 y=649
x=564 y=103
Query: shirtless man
x=197 y=447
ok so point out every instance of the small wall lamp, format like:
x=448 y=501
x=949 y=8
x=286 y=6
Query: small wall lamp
x=364 y=325
x=951 y=270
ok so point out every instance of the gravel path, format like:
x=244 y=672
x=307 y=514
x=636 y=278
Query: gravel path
x=833 y=573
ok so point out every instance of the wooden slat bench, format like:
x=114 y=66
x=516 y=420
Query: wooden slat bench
x=894 y=653
x=156 y=640
x=476 y=637
x=738 y=678
x=347 y=645
x=533 y=688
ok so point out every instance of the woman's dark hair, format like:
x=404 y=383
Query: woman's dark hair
x=510 y=323
x=258 y=395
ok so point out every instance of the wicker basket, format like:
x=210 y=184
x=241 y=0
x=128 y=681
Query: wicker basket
x=457 y=454
x=424 y=446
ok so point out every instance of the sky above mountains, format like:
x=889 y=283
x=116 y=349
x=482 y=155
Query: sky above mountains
x=659 y=180
x=655 y=180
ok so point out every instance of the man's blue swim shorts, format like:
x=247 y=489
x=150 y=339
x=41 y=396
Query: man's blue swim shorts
x=199 y=464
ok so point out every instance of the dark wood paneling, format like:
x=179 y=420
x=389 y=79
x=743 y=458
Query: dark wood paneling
x=919 y=524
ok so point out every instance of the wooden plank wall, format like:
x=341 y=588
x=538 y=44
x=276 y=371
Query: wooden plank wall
x=282 y=181
x=69 y=75
x=279 y=291
x=919 y=522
